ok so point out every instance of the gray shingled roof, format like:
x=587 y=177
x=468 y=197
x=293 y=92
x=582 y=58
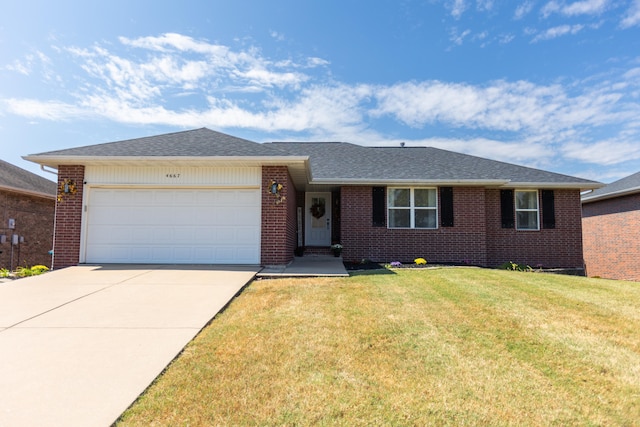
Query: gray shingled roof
x=20 y=180
x=193 y=143
x=332 y=161
x=622 y=187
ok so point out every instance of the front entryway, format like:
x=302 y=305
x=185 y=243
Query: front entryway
x=318 y=219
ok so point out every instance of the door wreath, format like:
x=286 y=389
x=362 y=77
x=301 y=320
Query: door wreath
x=317 y=210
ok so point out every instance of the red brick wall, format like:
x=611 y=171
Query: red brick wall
x=66 y=245
x=611 y=246
x=476 y=238
x=558 y=247
x=34 y=221
x=278 y=220
x=464 y=243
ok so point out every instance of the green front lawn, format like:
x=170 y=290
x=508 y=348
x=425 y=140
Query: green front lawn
x=450 y=346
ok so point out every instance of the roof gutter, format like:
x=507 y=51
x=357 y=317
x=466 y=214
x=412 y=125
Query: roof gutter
x=28 y=192
x=42 y=168
x=504 y=183
x=619 y=193
x=54 y=161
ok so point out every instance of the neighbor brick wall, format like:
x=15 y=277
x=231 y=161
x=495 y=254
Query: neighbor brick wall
x=611 y=236
x=476 y=238
x=278 y=240
x=66 y=244
x=34 y=221
x=463 y=243
x=558 y=247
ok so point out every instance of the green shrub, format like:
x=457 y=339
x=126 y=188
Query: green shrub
x=510 y=265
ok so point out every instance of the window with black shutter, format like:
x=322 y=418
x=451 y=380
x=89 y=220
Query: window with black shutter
x=507 y=209
x=446 y=206
x=378 y=219
x=548 y=209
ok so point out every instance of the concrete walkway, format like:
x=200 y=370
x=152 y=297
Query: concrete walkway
x=79 y=345
x=308 y=266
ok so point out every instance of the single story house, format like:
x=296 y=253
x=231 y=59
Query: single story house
x=611 y=226
x=28 y=203
x=201 y=196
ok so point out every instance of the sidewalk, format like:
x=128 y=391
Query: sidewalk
x=307 y=266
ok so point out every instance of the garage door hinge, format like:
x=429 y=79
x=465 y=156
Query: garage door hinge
x=85 y=208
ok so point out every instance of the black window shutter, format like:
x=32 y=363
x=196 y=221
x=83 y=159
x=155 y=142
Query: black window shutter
x=507 y=209
x=446 y=206
x=378 y=207
x=548 y=209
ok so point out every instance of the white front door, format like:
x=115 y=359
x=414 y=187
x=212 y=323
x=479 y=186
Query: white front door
x=318 y=219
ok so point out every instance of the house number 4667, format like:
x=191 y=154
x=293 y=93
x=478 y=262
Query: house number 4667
x=172 y=175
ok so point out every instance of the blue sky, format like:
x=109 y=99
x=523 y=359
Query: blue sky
x=553 y=84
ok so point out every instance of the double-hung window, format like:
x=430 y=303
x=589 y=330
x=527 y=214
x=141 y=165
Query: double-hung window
x=413 y=208
x=527 y=211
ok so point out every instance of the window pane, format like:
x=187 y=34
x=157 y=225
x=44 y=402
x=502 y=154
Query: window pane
x=425 y=218
x=399 y=197
x=399 y=218
x=527 y=220
x=425 y=197
x=526 y=200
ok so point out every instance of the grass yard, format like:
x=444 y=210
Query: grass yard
x=450 y=346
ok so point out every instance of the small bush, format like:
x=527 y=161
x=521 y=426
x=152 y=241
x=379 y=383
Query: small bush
x=39 y=269
x=510 y=265
x=420 y=261
x=4 y=272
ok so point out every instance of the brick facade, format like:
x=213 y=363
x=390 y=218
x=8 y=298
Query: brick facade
x=33 y=222
x=279 y=224
x=476 y=237
x=611 y=244
x=66 y=245
x=557 y=247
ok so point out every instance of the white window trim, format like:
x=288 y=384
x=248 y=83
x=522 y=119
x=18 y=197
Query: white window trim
x=412 y=208
x=536 y=210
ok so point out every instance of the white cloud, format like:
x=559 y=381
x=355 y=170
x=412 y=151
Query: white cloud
x=458 y=38
x=632 y=16
x=601 y=152
x=49 y=110
x=523 y=10
x=222 y=87
x=558 y=31
x=457 y=8
x=585 y=7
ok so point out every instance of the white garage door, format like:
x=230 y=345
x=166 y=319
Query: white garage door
x=178 y=226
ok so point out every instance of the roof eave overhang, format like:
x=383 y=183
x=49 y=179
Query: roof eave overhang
x=28 y=192
x=496 y=183
x=582 y=186
x=621 y=193
x=392 y=182
x=55 y=161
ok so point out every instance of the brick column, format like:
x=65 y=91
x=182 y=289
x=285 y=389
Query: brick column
x=278 y=240
x=66 y=240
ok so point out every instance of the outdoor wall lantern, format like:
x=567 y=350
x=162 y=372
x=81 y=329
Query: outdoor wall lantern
x=67 y=187
x=276 y=188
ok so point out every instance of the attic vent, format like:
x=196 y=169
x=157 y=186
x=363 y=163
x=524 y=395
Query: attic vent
x=402 y=145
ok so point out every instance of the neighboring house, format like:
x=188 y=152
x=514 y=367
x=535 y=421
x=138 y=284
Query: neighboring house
x=28 y=204
x=201 y=196
x=611 y=226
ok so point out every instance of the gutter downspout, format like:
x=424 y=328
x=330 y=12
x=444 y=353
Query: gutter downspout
x=55 y=214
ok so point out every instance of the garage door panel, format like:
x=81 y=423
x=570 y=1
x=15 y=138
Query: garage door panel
x=173 y=226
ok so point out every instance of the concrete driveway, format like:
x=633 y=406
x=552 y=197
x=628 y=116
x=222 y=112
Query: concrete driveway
x=79 y=345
